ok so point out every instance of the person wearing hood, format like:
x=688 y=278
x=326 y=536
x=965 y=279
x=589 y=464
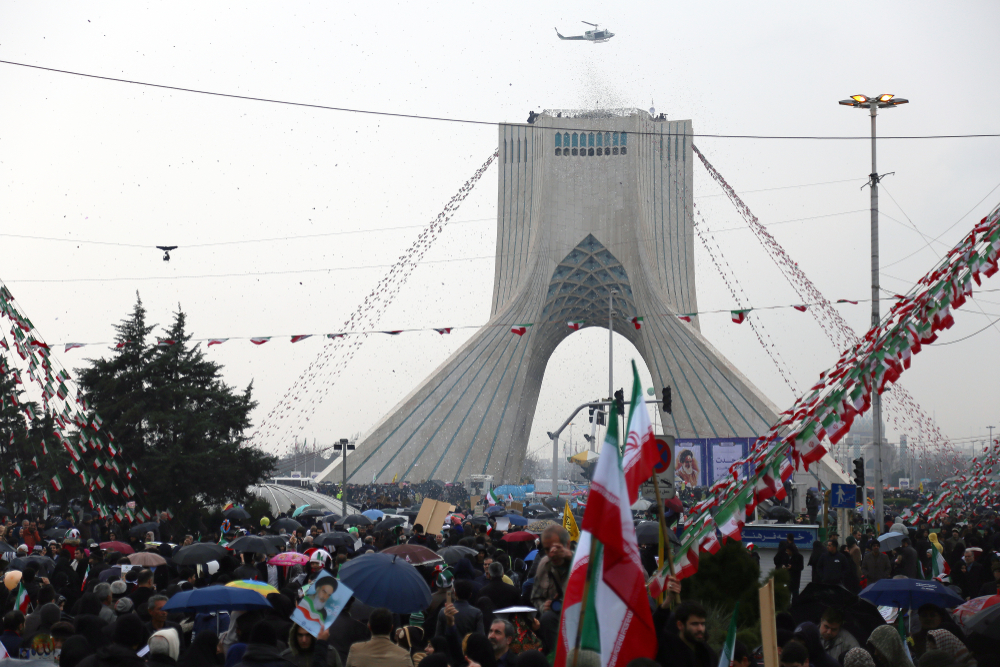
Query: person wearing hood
x=887 y=648
x=204 y=651
x=262 y=649
x=164 y=647
x=304 y=650
x=128 y=638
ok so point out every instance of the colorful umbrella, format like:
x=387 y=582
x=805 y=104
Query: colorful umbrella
x=251 y=585
x=973 y=607
x=299 y=510
x=289 y=558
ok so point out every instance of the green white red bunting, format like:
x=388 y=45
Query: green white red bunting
x=827 y=411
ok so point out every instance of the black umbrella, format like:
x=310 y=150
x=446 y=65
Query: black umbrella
x=332 y=517
x=648 y=532
x=236 y=514
x=199 y=554
x=277 y=540
x=254 y=545
x=44 y=563
x=860 y=616
x=780 y=514
x=545 y=515
x=5 y=511
x=391 y=522
x=113 y=572
x=55 y=533
x=355 y=520
x=314 y=512
x=555 y=504
x=291 y=525
x=336 y=539
x=480 y=521
x=452 y=555
x=6 y=548
x=143 y=528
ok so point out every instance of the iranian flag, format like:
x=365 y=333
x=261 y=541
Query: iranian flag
x=729 y=647
x=940 y=569
x=72 y=346
x=626 y=623
x=637 y=322
x=801 y=307
x=519 y=329
x=732 y=517
x=335 y=336
x=165 y=342
x=99 y=480
x=847 y=301
x=739 y=315
x=641 y=453
x=17 y=469
x=216 y=341
x=21 y=599
x=444 y=330
x=686 y=317
x=296 y=339
x=56 y=482
x=575 y=324
x=260 y=340
x=492 y=497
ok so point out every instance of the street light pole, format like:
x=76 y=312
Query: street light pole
x=873 y=104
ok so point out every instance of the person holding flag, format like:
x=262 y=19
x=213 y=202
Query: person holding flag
x=607 y=573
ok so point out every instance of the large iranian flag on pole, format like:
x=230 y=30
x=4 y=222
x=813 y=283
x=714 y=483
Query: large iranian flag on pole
x=581 y=575
x=641 y=454
x=626 y=623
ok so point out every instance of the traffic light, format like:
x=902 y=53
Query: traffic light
x=591 y=414
x=859 y=471
x=620 y=401
x=667 y=399
x=600 y=417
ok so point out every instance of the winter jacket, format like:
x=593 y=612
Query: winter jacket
x=113 y=655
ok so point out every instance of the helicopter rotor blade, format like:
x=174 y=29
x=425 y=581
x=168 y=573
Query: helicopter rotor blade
x=589 y=23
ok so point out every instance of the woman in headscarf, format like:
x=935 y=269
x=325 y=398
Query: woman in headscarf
x=942 y=640
x=887 y=648
x=74 y=649
x=858 y=657
x=477 y=648
x=808 y=634
x=204 y=651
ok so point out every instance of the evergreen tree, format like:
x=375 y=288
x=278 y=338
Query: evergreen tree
x=170 y=410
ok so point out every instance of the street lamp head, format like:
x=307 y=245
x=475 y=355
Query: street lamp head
x=860 y=99
x=885 y=97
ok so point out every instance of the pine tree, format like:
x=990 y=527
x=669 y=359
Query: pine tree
x=171 y=411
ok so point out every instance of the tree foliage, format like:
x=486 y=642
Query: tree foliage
x=170 y=409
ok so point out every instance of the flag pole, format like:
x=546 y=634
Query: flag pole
x=583 y=601
x=671 y=596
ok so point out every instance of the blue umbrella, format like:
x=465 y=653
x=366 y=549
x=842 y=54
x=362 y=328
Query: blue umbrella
x=516 y=520
x=890 y=541
x=495 y=509
x=216 y=598
x=383 y=580
x=374 y=515
x=910 y=594
x=532 y=556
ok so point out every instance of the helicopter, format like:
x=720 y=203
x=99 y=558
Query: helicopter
x=596 y=35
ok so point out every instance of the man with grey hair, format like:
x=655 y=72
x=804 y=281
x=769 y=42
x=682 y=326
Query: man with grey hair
x=501 y=635
x=103 y=593
x=158 y=618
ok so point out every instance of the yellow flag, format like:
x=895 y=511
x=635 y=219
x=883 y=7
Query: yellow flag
x=394 y=477
x=569 y=523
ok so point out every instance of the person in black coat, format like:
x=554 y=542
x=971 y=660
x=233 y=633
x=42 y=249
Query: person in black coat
x=129 y=637
x=262 y=649
x=502 y=595
x=681 y=638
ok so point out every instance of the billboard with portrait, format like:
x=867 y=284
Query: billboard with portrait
x=689 y=462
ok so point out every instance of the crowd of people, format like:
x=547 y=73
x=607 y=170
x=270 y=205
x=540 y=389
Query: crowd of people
x=402 y=494
x=62 y=592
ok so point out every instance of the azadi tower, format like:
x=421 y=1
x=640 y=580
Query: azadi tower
x=587 y=202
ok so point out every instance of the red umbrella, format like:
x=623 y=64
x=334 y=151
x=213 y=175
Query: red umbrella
x=519 y=536
x=120 y=547
x=414 y=554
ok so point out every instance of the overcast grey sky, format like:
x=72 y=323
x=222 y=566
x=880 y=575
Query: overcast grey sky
x=88 y=160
